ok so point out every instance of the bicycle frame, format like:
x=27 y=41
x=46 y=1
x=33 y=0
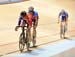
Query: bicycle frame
x=24 y=39
x=23 y=32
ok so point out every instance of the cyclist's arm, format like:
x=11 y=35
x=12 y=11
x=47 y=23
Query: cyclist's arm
x=36 y=17
x=19 y=22
x=66 y=18
x=36 y=20
x=59 y=17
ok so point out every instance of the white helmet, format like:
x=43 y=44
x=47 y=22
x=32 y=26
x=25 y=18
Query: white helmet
x=62 y=10
x=31 y=9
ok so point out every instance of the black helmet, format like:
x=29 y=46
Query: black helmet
x=23 y=13
x=31 y=9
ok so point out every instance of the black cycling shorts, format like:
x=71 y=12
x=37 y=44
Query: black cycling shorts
x=33 y=20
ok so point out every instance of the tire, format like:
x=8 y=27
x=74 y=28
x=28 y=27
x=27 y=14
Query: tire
x=21 y=43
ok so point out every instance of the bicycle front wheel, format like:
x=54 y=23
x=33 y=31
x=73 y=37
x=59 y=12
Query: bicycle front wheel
x=21 y=43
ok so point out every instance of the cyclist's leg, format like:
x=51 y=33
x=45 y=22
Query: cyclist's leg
x=29 y=35
x=28 y=39
x=61 y=30
x=34 y=28
x=34 y=33
x=65 y=29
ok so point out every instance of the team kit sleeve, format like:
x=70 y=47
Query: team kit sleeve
x=36 y=15
x=59 y=14
x=66 y=14
x=19 y=21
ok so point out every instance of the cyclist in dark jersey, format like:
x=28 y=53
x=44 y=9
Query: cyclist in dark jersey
x=24 y=20
x=63 y=19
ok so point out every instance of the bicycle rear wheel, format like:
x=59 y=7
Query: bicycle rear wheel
x=21 y=43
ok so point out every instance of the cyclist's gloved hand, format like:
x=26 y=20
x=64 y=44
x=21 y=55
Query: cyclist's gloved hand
x=16 y=28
